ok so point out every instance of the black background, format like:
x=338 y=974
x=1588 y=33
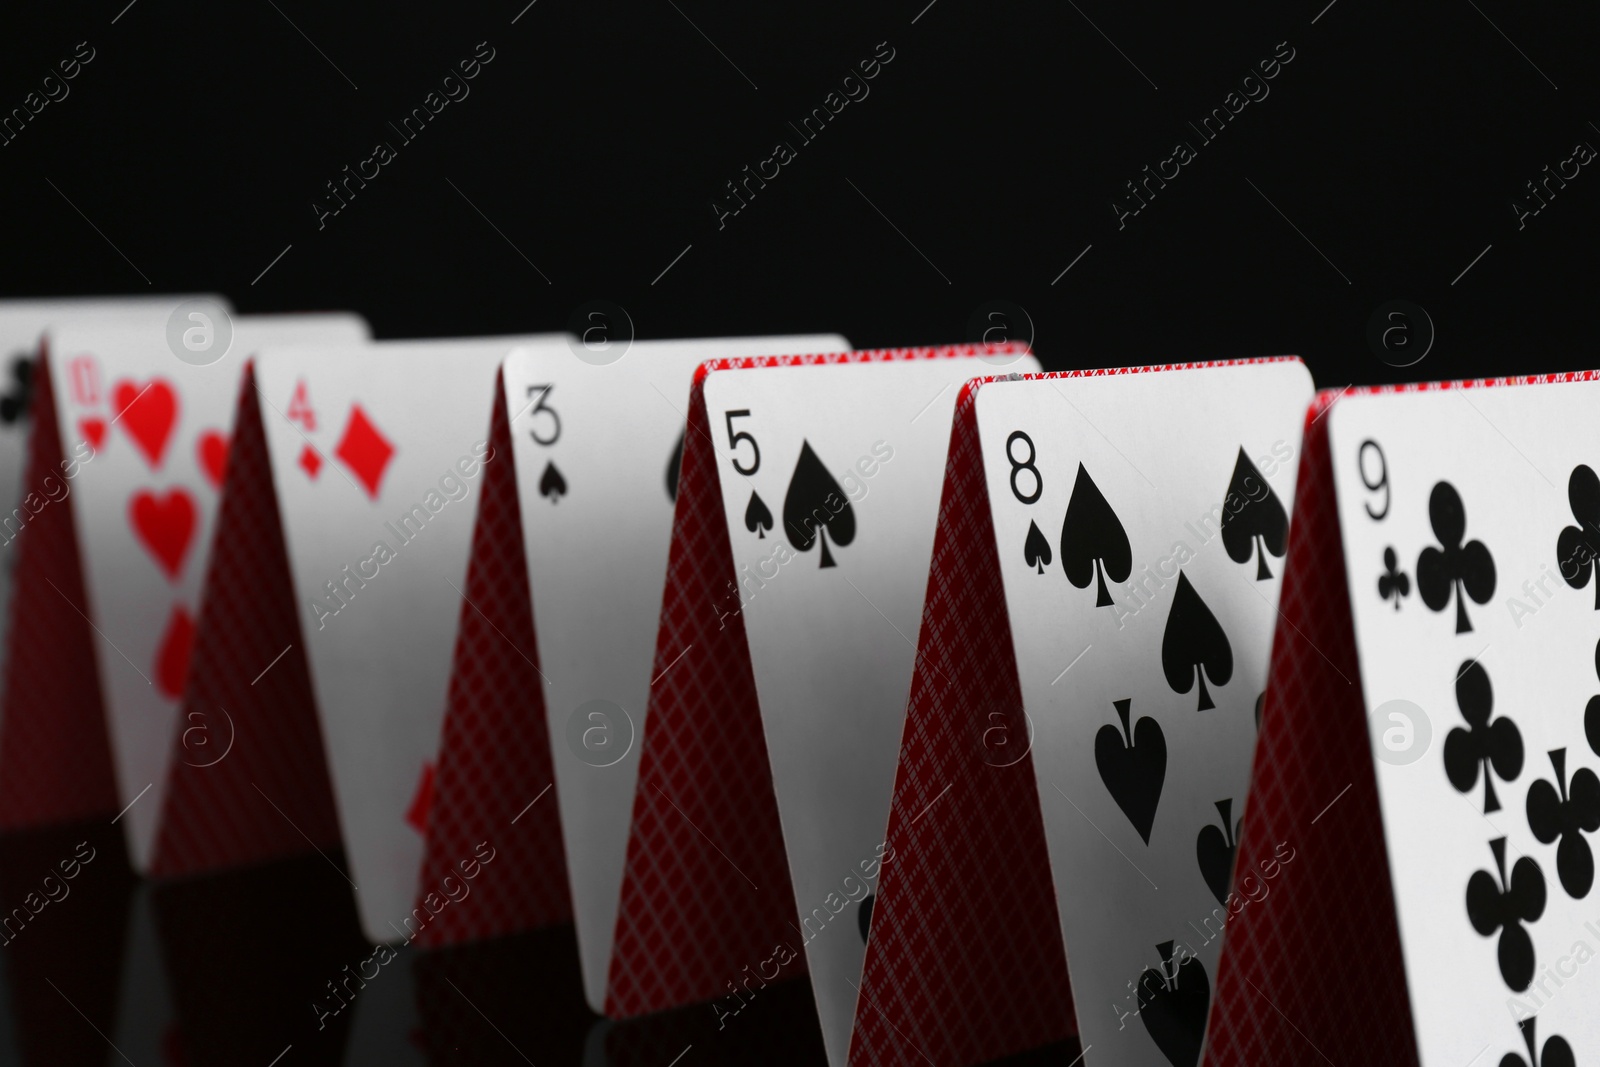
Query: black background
x=995 y=140
x=1383 y=165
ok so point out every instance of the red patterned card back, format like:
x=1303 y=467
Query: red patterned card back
x=706 y=891
x=1310 y=970
x=494 y=780
x=55 y=754
x=249 y=691
x=965 y=962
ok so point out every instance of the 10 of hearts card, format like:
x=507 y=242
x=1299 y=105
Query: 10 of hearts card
x=127 y=457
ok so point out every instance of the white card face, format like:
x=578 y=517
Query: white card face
x=597 y=559
x=830 y=479
x=1128 y=479
x=158 y=429
x=22 y=324
x=377 y=457
x=1404 y=467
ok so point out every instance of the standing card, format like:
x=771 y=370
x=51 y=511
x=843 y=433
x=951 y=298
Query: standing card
x=830 y=479
x=356 y=490
x=142 y=437
x=596 y=443
x=1447 y=580
x=1141 y=654
x=806 y=506
x=22 y=327
x=1094 y=642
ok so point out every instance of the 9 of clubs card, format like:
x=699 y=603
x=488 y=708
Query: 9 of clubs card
x=1471 y=521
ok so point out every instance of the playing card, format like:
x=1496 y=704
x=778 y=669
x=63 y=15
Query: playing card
x=698 y=922
x=377 y=456
x=149 y=435
x=1468 y=517
x=597 y=450
x=1141 y=522
x=830 y=479
x=1082 y=518
x=22 y=325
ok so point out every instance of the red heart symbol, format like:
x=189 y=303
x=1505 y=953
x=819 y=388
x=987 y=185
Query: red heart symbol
x=422 y=804
x=172 y=655
x=93 y=430
x=165 y=525
x=148 y=413
x=213 y=454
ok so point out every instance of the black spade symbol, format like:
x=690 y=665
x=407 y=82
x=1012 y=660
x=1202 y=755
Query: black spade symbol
x=864 y=915
x=1505 y=906
x=1260 y=525
x=551 y=484
x=1194 y=645
x=1036 y=550
x=674 y=466
x=757 y=519
x=1557 y=1053
x=815 y=507
x=1557 y=811
x=1496 y=745
x=1215 y=850
x=1094 y=546
x=1174 y=1009
x=1463 y=569
x=1133 y=766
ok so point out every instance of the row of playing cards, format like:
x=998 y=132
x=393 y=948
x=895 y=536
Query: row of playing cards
x=1174 y=709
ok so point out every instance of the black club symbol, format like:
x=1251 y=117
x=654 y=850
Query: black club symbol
x=1578 y=547
x=1462 y=569
x=1497 y=745
x=1505 y=906
x=1394 y=582
x=14 y=404
x=1557 y=1053
x=1568 y=815
x=1591 y=713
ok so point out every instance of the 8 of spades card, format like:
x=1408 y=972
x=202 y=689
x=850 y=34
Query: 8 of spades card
x=1468 y=519
x=1141 y=522
x=830 y=478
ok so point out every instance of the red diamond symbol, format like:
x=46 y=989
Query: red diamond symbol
x=364 y=450
x=310 y=461
x=422 y=803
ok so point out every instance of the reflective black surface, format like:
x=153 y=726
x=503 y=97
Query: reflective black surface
x=253 y=964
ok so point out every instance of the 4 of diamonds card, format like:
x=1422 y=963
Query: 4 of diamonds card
x=564 y=584
x=130 y=443
x=1432 y=735
x=331 y=610
x=1077 y=749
